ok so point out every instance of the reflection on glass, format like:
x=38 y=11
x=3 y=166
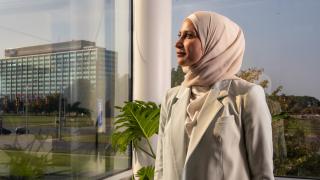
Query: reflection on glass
x=57 y=94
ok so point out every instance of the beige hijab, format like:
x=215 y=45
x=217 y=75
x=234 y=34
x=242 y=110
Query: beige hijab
x=223 y=46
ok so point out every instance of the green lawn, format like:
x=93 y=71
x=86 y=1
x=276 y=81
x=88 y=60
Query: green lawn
x=102 y=138
x=32 y=120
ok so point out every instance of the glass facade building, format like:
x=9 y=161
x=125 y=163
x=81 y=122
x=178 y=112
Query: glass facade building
x=33 y=72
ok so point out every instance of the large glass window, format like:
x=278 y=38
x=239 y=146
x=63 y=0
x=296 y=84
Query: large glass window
x=282 y=40
x=55 y=115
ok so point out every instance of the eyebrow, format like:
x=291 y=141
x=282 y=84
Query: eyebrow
x=186 y=31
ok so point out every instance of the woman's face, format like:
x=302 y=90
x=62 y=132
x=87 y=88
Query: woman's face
x=188 y=45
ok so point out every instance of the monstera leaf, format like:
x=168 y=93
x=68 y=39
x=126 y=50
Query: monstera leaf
x=146 y=173
x=138 y=120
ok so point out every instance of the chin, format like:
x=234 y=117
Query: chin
x=181 y=62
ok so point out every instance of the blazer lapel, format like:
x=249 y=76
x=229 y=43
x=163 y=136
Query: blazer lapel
x=211 y=107
x=177 y=131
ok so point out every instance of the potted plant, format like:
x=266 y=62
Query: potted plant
x=138 y=121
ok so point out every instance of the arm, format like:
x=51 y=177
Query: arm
x=258 y=134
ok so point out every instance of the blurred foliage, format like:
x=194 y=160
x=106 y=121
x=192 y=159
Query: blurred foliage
x=177 y=76
x=27 y=164
x=302 y=157
x=253 y=75
x=282 y=115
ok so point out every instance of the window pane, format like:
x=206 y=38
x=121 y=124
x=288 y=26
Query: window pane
x=64 y=65
x=282 y=40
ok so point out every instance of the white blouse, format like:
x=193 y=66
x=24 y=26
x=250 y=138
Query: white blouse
x=197 y=99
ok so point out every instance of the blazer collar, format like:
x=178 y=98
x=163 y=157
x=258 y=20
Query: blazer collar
x=210 y=108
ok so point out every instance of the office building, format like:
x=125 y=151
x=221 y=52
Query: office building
x=71 y=68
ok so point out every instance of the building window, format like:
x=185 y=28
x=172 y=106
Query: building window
x=48 y=91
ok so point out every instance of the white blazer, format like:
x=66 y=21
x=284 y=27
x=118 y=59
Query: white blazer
x=232 y=139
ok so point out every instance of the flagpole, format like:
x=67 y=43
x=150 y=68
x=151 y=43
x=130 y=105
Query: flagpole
x=60 y=123
x=26 y=113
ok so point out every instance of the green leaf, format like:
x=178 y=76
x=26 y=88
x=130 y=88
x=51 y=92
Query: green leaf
x=146 y=173
x=137 y=120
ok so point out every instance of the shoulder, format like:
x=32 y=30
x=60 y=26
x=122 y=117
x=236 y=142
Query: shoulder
x=241 y=87
x=170 y=95
x=252 y=96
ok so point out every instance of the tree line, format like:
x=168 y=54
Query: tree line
x=41 y=105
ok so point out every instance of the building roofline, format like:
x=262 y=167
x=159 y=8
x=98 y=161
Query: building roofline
x=49 y=48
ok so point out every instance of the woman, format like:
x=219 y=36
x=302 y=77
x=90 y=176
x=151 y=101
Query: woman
x=215 y=125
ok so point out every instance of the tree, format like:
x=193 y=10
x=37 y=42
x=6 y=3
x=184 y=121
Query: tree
x=277 y=91
x=75 y=108
x=177 y=76
x=253 y=75
x=52 y=103
x=5 y=104
x=17 y=104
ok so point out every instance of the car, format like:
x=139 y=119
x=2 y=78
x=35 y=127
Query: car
x=21 y=130
x=4 y=131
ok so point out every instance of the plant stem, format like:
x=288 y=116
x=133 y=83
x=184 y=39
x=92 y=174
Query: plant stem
x=151 y=155
x=145 y=135
x=150 y=147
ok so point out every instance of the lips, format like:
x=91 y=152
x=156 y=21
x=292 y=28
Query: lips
x=181 y=54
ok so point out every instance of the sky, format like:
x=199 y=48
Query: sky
x=281 y=35
x=27 y=22
x=34 y=22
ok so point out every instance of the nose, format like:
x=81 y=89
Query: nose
x=179 y=43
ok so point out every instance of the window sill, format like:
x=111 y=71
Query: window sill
x=126 y=175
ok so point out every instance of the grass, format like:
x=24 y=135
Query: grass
x=102 y=138
x=42 y=120
x=17 y=120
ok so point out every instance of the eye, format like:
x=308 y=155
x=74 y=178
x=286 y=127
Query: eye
x=189 y=35
x=186 y=35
